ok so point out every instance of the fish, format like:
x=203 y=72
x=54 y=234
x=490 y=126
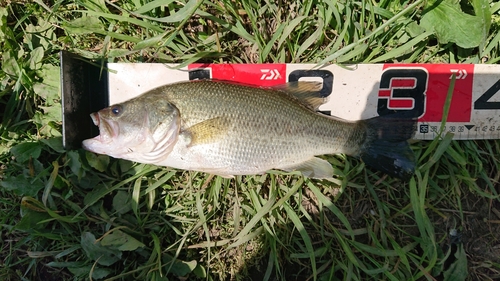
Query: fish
x=228 y=129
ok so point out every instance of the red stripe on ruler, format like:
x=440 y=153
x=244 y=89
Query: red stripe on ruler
x=254 y=74
x=437 y=88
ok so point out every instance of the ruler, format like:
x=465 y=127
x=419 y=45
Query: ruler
x=353 y=92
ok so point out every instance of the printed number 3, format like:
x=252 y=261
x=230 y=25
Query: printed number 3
x=403 y=89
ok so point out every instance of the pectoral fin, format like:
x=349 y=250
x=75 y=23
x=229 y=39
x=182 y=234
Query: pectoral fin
x=313 y=168
x=208 y=131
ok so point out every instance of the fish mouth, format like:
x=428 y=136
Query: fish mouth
x=108 y=130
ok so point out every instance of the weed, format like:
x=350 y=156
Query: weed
x=74 y=215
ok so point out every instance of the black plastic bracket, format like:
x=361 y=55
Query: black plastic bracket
x=84 y=89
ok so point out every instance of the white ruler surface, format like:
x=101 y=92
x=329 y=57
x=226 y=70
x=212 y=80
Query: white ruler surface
x=353 y=91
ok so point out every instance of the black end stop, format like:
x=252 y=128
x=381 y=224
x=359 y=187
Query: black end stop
x=84 y=89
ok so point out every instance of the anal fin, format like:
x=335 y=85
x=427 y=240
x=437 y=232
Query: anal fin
x=313 y=168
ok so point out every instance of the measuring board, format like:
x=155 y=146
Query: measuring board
x=354 y=92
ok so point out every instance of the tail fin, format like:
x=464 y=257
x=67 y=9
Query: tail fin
x=386 y=147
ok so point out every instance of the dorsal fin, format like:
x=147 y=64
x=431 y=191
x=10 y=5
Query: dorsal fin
x=307 y=92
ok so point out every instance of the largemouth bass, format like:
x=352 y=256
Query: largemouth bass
x=229 y=129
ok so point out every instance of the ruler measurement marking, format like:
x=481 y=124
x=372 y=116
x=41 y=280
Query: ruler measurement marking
x=363 y=91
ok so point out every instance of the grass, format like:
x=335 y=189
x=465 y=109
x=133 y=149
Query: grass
x=73 y=215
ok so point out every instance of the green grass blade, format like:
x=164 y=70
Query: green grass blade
x=404 y=49
x=305 y=237
x=351 y=46
x=334 y=209
x=152 y=5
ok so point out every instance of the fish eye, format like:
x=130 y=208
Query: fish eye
x=116 y=110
